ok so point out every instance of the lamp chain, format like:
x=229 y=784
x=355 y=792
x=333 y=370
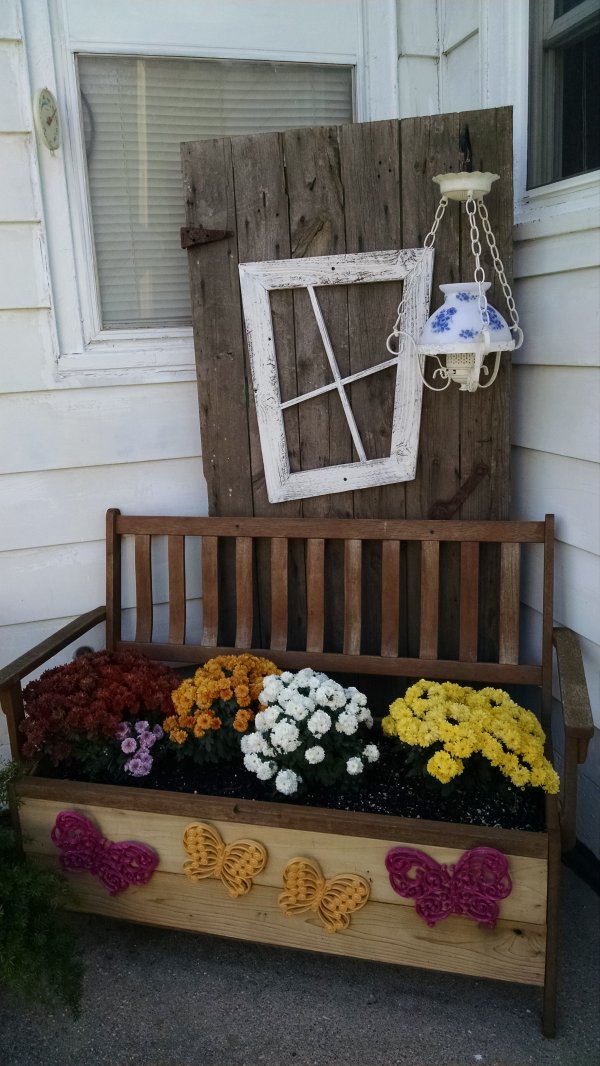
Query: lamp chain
x=439 y=214
x=479 y=275
x=499 y=267
x=427 y=243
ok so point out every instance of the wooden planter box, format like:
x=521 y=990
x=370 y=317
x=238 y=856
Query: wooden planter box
x=387 y=929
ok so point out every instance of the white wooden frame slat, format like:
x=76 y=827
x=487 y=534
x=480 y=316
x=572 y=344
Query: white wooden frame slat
x=412 y=266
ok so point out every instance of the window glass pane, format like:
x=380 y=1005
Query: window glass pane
x=136 y=112
x=581 y=107
x=562 y=6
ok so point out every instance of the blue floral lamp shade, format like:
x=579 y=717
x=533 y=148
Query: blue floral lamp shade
x=456 y=330
x=466 y=328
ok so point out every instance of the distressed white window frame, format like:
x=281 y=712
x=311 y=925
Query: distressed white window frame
x=85 y=354
x=414 y=267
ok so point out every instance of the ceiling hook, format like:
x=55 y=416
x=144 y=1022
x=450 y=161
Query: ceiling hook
x=466 y=152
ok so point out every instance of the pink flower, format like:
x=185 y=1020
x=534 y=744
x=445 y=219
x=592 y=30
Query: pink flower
x=123 y=731
x=129 y=745
x=147 y=740
x=141 y=727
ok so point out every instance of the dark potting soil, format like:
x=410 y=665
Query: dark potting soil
x=384 y=788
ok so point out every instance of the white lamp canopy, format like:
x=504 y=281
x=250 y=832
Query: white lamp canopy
x=465 y=329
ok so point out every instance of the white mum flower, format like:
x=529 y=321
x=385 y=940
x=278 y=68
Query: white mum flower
x=286 y=677
x=347 y=723
x=296 y=708
x=248 y=743
x=354 y=708
x=319 y=723
x=267 y=719
x=354 y=765
x=285 y=736
x=262 y=746
x=308 y=678
x=314 y=754
x=266 y=771
x=356 y=696
x=365 y=715
x=272 y=688
x=252 y=762
x=331 y=694
x=371 y=752
x=287 y=782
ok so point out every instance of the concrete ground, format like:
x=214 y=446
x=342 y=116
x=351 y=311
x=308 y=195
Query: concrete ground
x=160 y=998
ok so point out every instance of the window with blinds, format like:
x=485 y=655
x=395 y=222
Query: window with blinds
x=135 y=114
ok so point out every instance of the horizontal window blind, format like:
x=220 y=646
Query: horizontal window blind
x=136 y=113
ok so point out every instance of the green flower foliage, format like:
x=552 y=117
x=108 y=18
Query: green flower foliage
x=39 y=956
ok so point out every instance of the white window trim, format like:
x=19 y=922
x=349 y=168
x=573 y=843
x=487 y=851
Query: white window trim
x=87 y=354
x=505 y=57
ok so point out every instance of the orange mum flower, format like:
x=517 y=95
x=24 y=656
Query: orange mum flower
x=222 y=695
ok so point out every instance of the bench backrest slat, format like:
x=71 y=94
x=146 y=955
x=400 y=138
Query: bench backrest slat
x=315 y=595
x=279 y=593
x=210 y=592
x=430 y=599
x=510 y=563
x=243 y=593
x=177 y=612
x=143 y=588
x=352 y=596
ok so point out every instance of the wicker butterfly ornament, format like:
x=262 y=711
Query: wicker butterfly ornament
x=334 y=899
x=236 y=865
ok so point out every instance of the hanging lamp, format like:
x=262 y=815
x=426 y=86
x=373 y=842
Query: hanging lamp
x=466 y=328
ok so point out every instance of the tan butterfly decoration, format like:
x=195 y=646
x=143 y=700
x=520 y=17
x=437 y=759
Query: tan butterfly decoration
x=236 y=865
x=334 y=899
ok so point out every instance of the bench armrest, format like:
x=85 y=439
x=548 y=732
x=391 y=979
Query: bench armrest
x=11 y=699
x=578 y=725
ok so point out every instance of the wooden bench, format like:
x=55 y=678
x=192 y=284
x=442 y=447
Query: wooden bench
x=274 y=587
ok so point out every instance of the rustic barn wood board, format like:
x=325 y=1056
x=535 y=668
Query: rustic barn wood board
x=324 y=191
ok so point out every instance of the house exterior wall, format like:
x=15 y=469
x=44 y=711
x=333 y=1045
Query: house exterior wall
x=67 y=452
x=84 y=427
x=459 y=56
x=77 y=439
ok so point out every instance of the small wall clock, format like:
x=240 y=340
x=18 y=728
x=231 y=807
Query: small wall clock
x=46 y=118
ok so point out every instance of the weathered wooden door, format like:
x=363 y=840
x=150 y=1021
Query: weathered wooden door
x=325 y=191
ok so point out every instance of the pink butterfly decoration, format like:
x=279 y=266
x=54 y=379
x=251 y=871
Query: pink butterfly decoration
x=471 y=886
x=84 y=848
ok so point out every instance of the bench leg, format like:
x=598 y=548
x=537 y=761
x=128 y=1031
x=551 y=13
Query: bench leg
x=552 y=936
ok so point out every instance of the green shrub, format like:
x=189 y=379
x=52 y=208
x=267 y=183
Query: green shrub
x=39 y=955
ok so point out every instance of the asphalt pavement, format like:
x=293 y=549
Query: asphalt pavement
x=154 y=997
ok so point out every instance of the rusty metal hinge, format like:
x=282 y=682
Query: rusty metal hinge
x=191 y=235
x=447 y=508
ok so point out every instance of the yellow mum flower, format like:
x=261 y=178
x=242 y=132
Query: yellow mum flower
x=388 y=726
x=467 y=721
x=444 y=767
